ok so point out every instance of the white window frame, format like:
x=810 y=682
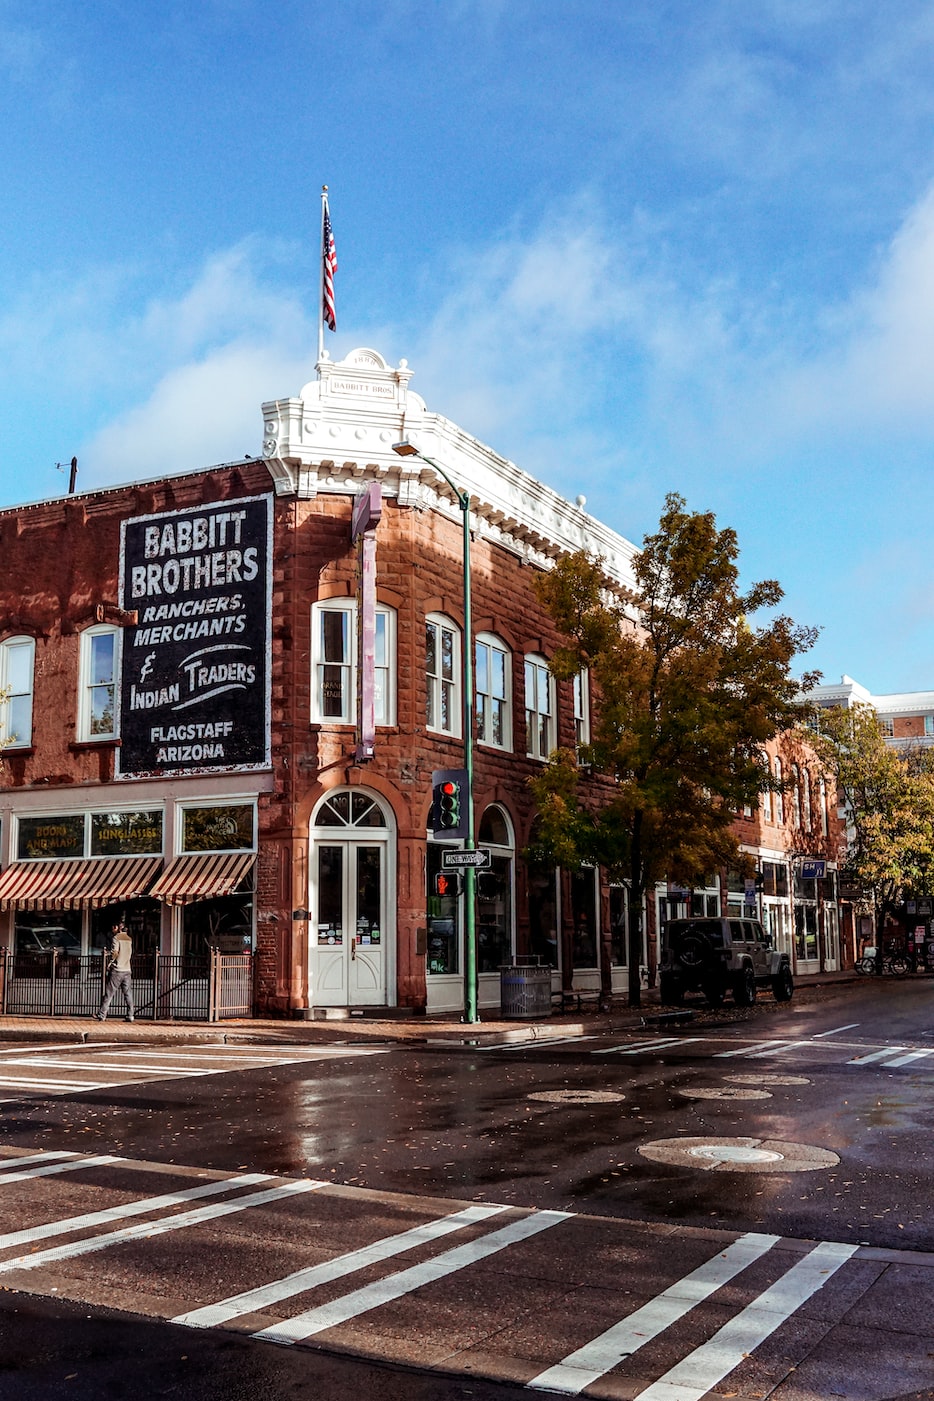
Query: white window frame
x=539 y=717
x=87 y=687
x=182 y=805
x=796 y=797
x=779 y=795
x=385 y=672
x=484 y=700
x=437 y=684
x=13 y=739
x=582 y=707
x=766 y=793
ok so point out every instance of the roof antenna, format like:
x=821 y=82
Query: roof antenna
x=72 y=475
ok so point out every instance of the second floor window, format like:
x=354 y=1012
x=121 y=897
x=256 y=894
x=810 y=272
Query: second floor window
x=442 y=676
x=779 y=795
x=97 y=701
x=492 y=693
x=17 y=661
x=539 y=709
x=582 y=708
x=334 y=663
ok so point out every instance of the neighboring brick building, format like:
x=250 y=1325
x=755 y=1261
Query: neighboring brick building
x=184 y=740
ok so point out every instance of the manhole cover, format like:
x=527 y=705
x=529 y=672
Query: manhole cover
x=727 y=1093
x=577 y=1096
x=739 y=1155
x=728 y=1153
x=776 y=1079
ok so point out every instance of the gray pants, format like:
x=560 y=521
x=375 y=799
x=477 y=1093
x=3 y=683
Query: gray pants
x=122 y=982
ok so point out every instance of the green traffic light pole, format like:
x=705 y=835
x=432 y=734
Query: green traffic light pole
x=407 y=449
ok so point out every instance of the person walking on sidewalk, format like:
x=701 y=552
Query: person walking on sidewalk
x=118 y=973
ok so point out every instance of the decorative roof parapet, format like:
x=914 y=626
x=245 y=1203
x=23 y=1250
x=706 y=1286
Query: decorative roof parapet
x=342 y=428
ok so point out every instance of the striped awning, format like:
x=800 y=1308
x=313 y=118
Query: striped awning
x=202 y=875
x=76 y=884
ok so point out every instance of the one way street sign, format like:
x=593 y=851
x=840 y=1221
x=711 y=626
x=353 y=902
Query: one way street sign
x=453 y=860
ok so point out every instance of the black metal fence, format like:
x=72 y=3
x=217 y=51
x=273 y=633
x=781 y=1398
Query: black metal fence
x=166 y=987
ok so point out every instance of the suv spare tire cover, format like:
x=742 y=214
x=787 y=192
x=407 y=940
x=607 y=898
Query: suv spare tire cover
x=694 y=949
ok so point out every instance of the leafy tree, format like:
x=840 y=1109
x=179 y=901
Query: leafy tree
x=889 y=797
x=689 y=692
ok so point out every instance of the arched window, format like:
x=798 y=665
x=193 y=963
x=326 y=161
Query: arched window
x=492 y=690
x=442 y=675
x=17 y=665
x=779 y=796
x=766 y=793
x=539 y=708
x=97 y=683
x=795 y=796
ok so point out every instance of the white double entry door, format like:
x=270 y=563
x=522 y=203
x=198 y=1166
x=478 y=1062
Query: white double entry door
x=349 y=931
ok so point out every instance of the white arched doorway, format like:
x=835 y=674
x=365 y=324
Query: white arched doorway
x=351 y=898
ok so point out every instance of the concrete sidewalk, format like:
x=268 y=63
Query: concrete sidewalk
x=413 y=1029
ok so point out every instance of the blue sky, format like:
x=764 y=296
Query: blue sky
x=636 y=247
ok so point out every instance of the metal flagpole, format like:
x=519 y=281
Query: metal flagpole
x=321 y=257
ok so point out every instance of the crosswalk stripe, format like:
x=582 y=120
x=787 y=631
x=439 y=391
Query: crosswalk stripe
x=252 y=1300
x=51 y=1168
x=109 y=1066
x=158 y=1228
x=661 y=1044
x=13 y=1082
x=580 y=1368
x=776 y=1050
x=119 y=1213
x=877 y=1055
x=749 y=1050
x=34 y=1158
x=907 y=1059
x=371 y=1296
x=708 y=1364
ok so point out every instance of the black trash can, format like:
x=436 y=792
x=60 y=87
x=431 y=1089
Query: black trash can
x=525 y=989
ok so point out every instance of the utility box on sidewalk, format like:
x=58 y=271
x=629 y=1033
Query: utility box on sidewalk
x=525 y=989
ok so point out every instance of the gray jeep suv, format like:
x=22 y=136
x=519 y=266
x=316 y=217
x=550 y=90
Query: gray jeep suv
x=716 y=956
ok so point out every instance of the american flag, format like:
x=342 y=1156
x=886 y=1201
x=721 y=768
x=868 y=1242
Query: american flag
x=329 y=255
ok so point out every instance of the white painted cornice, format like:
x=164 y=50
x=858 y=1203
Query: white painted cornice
x=339 y=432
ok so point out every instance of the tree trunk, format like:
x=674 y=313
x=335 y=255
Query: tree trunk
x=636 y=898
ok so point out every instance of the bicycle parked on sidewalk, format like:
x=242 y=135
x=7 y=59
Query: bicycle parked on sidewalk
x=892 y=963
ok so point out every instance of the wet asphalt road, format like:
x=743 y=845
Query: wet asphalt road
x=565 y=1127
x=462 y=1122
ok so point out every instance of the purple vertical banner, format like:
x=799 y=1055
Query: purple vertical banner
x=367 y=510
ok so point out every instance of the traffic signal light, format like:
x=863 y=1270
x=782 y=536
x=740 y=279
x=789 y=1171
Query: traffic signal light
x=447 y=884
x=449 y=808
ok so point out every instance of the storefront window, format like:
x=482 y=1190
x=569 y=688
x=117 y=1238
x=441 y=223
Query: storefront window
x=126 y=833
x=224 y=924
x=494 y=915
x=143 y=919
x=584 y=915
x=806 y=931
x=619 y=924
x=443 y=917
x=224 y=828
x=48 y=838
x=543 y=915
x=39 y=931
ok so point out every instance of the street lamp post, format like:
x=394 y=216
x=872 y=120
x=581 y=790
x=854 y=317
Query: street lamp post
x=407 y=449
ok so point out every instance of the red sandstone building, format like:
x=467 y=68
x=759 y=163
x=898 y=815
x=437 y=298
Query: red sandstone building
x=184 y=663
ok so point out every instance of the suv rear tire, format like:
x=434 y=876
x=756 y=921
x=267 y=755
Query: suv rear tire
x=744 y=989
x=783 y=984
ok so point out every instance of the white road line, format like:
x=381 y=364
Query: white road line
x=11 y=1082
x=19 y=1050
x=538 y=1041
x=580 y=1368
x=120 y=1213
x=749 y=1050
x=252 y=1300
x=157 y=1228
x=109 y=1065
x=906 y=1060
x=34 y=1158
x=628 y=1049
x=74 y=1162
x=707 y=1365
x=261 y=1057
x=877 y=1055
x=849 y=1027
x=371 y=1296
x=777 y=1050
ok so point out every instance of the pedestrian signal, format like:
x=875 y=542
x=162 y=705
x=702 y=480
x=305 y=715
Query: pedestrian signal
x=449 y=808
x=447 y=885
